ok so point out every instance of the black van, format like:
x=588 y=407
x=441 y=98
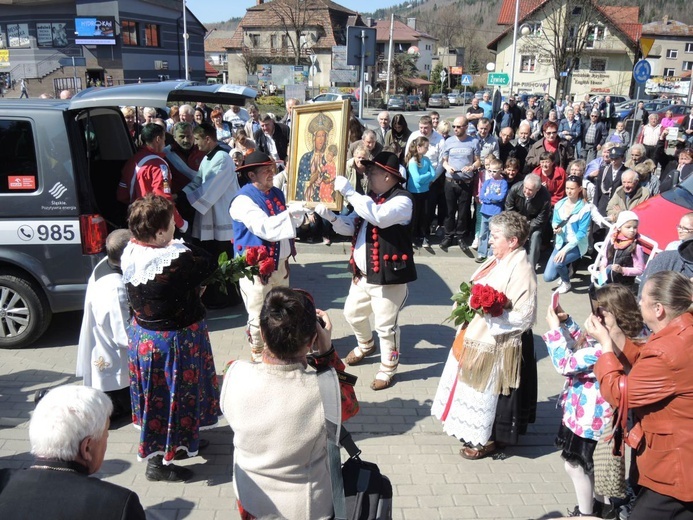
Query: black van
x=60 y=164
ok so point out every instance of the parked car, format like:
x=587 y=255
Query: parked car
x=61 y=162
x=680 y=112
x=625 y=110
x=660 y=215
x=336 y=96
x=616 y=99
x=416 y=102
x=438 y=101
x=398 y=102
x=480 y=94
x=454 y=98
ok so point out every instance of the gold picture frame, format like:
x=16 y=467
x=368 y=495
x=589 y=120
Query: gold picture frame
x=311 y=176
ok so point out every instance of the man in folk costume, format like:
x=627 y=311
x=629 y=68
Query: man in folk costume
x=485 y=365
x=382 y=260
x=262 y=219
x=102 y=353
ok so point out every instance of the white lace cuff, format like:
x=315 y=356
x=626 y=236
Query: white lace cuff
x=141 y=264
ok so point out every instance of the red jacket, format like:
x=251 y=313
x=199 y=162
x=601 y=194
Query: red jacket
x=660 y=390
x=555 y=184
x=146 y=172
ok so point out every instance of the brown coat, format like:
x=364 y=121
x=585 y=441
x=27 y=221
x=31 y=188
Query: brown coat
x=660 y=391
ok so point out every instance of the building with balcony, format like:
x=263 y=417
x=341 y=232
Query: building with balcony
x=671 y=57
x=605 y=65
x=111 y=42
x=292 y=43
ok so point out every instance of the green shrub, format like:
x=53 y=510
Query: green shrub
x=277 y=101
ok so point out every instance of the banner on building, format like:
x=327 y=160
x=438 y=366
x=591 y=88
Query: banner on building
x=669 y=85
x=4 y=59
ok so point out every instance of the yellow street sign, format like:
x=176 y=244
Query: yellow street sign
x=646 y=45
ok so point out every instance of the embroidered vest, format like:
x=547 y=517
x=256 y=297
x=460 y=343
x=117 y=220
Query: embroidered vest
x=389 y=252
x=272 y=203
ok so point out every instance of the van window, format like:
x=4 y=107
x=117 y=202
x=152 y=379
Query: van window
x=18 y=168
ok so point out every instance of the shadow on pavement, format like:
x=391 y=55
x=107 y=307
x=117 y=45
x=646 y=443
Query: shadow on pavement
x=175 y=508
x=20 y=387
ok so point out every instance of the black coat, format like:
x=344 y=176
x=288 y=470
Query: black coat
x=28 y=494
x=600 y=134
x=281 y=140
x=536 y=210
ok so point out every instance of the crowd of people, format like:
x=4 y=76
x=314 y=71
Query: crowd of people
x=207 y=182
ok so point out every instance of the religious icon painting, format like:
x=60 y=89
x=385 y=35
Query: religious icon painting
x=319 y=134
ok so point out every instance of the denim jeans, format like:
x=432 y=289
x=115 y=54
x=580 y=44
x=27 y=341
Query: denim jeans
x=483 y=236
x=533 y=247
x=554 y=270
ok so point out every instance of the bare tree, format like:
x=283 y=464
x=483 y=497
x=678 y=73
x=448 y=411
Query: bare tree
x=250 y=62
x=294 y=18
x=568 y=28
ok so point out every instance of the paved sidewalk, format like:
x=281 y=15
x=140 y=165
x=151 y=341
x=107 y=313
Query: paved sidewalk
x=394 y=427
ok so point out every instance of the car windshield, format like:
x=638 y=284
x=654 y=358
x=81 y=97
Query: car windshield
x=682 y=195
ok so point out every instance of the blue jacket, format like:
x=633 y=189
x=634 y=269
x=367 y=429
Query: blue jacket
x=575 y=132
x=492 y=196
x=420 y=177
x=579 y=222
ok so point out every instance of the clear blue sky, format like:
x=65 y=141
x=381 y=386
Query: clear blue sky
x=221 y=10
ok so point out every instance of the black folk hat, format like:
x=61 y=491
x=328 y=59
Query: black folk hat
x=389 y=162
x=254 y=160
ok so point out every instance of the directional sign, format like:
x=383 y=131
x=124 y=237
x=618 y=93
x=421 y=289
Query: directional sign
x=443 y=75
x=356 y=46
x=642 y=71
x=499 y=79
x=466 y=80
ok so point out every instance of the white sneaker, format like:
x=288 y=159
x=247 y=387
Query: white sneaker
x=563 y=287
x=475 y=243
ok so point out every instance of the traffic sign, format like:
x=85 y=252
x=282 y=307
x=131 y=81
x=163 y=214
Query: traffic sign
x=499 y=79
x=642 y=71
x=466 y=80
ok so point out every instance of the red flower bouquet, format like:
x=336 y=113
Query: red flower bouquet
x=473 y=299
x=254 y=262
x=485 y=299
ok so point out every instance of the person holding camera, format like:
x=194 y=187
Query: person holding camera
x=659 y=392
x=278 y=411
x=585 y=413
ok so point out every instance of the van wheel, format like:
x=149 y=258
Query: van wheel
x=24 y=312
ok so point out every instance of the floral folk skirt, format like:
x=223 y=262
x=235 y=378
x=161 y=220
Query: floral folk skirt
x=174 y=388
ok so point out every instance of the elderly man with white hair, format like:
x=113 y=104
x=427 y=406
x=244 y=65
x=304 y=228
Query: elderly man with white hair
x=69 y=435
x=186 y=113
x=626 y=196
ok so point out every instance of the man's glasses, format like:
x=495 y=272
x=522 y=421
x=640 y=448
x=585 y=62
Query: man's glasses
x=458 y=126
x=493 y=171
x=684 y=229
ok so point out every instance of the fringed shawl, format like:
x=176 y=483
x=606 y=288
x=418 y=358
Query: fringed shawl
x=491 y=354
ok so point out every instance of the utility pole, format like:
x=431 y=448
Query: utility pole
x=389 y=58
x=185 y=39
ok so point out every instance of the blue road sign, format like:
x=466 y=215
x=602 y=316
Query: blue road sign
x=466 y=79
x=642 y=71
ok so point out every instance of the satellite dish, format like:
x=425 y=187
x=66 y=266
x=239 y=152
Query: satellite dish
x=490 y=66
x=413 y=50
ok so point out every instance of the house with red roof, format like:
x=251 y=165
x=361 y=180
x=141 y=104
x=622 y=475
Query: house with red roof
x=405 y=38
x=262 y=42
x=607 y=38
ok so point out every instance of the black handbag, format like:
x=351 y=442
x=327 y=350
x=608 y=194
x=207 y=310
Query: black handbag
x=367 y=491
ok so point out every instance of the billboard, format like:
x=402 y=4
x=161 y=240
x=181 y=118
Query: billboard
x=98 y=30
